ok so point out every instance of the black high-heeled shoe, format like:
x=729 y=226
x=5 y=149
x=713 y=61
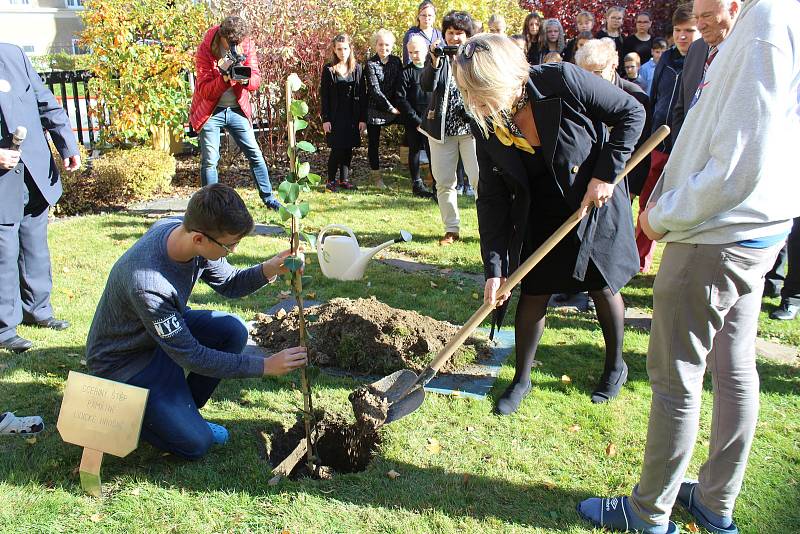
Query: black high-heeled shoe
x=607 y=390
x=511 y=398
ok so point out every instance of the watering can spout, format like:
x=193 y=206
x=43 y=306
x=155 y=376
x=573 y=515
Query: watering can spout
x=360 y=265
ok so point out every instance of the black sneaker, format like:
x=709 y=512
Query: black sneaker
x=785 y=312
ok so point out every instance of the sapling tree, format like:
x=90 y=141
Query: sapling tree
x=298 y=180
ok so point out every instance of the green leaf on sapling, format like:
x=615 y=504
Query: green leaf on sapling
x=304 y=209
x=303 y=169
x=306 y=146
x=299 y=109
x=314 y=179
x=300 y=124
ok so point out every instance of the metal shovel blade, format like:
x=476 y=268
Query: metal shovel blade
x=401 y=391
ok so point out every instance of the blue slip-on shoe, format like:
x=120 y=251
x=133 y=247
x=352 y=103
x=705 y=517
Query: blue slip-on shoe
x=699 y=512
x=614 y=513
x=219 y=432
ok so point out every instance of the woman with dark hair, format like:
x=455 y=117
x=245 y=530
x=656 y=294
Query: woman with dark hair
x=382 y=76
x=531 y=30
x=446 y=124
x=343 y=110
x=426 y=17
x=551 y=139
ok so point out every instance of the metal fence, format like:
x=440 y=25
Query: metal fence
x=71 y=89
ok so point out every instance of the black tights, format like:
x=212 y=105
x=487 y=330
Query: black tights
x=339 y=164
x=417 y=143
x=529 y=326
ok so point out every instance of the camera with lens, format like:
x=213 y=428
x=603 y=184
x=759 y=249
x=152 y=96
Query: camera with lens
x=233 y=66
x=447 y=50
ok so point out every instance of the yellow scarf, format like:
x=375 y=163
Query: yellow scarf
x=507 y=138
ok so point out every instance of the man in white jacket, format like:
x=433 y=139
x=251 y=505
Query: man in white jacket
x=724 y=206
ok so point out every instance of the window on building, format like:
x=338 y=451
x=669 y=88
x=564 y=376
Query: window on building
x=74 y=4
x=17 y=2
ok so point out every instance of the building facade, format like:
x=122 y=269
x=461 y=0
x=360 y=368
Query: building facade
x=41 y=26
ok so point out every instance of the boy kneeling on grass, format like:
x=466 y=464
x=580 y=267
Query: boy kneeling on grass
x=144 y=334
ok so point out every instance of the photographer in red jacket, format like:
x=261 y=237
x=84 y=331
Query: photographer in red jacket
x=226 y=73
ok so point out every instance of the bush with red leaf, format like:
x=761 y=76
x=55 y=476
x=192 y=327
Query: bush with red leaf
x=565 y=11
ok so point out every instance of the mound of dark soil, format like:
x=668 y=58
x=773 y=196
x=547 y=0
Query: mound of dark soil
x=367 y=336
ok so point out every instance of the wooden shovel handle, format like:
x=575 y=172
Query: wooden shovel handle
x=516 y=277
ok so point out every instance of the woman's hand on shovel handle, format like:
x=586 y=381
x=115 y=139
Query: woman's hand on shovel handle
x=285 y=361
x=598 y=193
x=490 y=295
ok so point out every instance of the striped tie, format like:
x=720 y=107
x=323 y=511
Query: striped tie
x=712 y=53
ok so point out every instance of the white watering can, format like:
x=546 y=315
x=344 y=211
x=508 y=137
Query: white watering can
x=341 y=258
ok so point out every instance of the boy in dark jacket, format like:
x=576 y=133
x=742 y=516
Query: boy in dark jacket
x=664 y=93
x=412 y=102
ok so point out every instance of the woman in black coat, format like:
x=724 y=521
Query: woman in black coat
x=344 y=110
x=544 y=150
x=382 y=75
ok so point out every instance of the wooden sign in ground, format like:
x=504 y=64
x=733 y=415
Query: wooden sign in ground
x=102 y=416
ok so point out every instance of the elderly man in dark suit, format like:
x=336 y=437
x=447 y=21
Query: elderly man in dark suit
x=29 y=185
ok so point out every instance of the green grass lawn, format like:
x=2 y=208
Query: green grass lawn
x=524 y=473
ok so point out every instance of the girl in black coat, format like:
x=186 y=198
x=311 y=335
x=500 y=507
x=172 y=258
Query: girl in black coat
x=544 y=150
x=531 y=29
x=381 y=78
x=343 y=110
x=413 y=102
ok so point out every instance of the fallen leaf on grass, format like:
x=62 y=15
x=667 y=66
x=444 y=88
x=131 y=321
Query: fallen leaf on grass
x=274 y=480
x=692 y=527
x=136 y=492
x=611 y=450
x=433 y=446
x=311 y=295
x=575 y=428
x=549 y=485
x=434 y=284
x=537 y=363
x=465 y=479
x=565 y=379
x=475 y=296
x=31 y=440
x=95 y=518
x=392 y=474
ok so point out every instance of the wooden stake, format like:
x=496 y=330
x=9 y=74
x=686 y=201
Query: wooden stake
x=91 y=460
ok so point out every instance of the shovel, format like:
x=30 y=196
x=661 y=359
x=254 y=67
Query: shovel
x=404 y=390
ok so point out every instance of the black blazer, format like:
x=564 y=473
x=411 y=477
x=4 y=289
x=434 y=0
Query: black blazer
x=26 y=101
x=328 y=102
x=437 y=82
x=572 y=109
x=689 y=79
x=638 y=176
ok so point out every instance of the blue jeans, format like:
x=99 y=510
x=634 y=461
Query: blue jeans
x=172 y=421
x=240 y=129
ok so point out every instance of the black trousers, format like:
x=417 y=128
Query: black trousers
x=25 y=276
x=785 y=275
x=417 y=143
x=374 y=145
x=339 y=162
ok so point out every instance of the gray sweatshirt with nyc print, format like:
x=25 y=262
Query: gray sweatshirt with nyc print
x=142 y=308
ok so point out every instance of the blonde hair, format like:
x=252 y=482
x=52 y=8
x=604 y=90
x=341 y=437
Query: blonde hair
x=492 y=76
x=597 y=52
x=633 y=56
x=384 y=34
x=496 y=18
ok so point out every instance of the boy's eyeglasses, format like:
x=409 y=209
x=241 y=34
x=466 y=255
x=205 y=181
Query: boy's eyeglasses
x=228 y=248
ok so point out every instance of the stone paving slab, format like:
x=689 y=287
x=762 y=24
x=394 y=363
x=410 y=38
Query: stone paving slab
x=160 y=206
